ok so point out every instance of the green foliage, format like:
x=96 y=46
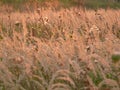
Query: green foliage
x=115 y=58
x=67 y=3
x=13 y=1
x=94 y=4
x=95 y=78
x=111 y=76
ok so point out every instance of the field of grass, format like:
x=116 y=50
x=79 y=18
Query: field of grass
x=66 y=49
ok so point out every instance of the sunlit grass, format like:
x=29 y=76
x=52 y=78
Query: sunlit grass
x=68 y=49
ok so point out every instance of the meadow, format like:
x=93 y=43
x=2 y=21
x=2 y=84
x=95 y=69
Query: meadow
x=59 y=49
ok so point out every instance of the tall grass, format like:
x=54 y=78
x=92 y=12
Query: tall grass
x=70 y=49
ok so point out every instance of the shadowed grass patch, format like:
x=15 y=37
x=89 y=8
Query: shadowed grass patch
x=115 y=58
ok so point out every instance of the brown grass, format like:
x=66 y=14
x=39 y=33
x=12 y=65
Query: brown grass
x=50 y=49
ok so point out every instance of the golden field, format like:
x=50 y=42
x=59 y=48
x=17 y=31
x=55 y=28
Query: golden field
x=66 y=49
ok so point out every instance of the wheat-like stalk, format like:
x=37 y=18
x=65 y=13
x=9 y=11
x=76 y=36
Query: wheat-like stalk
x=67 y=49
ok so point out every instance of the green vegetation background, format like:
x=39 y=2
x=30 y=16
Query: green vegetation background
x=68 y=3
